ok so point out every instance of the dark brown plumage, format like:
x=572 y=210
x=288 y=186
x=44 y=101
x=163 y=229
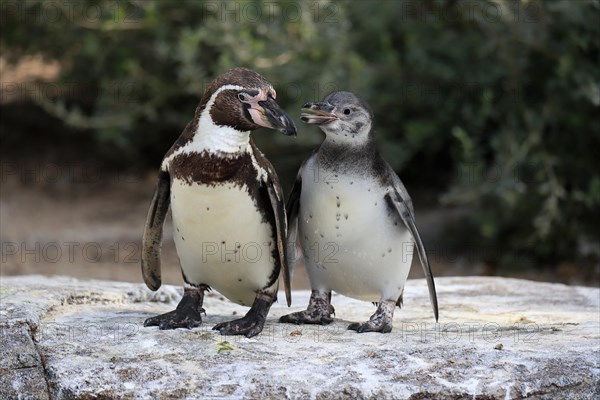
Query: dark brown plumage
x=222 y=192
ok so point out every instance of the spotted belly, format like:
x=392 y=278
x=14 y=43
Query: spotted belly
x=352 y=242
x=222 y=240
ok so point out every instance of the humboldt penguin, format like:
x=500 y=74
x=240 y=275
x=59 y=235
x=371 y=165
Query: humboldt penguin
x=227 y=206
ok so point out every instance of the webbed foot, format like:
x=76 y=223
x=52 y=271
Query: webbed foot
x=188 y=313
x=318 y=312
x=252 y=323
x=381 y=321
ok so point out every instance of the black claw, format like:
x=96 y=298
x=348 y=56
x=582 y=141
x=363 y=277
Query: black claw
x=217 y=327
x=354 y=326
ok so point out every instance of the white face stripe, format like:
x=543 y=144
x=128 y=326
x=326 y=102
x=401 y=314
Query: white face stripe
x=212 y=99
x=206 y=112
x=214 y=138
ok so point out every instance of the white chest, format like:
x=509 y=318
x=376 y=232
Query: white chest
x=221 y=238
x=352 y=241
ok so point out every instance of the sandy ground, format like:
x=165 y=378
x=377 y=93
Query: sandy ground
x=94 y=230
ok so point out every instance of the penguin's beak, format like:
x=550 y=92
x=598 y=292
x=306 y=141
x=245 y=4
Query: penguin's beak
x=317 y=113
x=267 y=113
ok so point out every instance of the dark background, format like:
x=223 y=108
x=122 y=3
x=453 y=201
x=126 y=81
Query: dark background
x=486 y=109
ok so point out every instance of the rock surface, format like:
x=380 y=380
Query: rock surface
x=496 y=338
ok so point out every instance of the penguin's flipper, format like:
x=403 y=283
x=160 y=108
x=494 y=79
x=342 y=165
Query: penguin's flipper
x=153 y=231
x=401 y=202
x=276 y=200
x=292 y=207
x=279 y=212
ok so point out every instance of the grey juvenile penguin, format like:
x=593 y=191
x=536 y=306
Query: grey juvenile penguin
x=228 y=212
x=352 y=218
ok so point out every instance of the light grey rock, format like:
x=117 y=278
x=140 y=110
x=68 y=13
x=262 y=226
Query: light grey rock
x=497 y=338
x=21 y=369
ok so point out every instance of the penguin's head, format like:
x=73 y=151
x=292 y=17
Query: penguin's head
x=244 y=100
x=341 y=115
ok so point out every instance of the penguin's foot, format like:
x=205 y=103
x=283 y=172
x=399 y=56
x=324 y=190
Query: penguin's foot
x=252 y=323
x=381 y=321
x=318 y=312
x=188 y=313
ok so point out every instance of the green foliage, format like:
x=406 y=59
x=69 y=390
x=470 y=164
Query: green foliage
x=490 y=105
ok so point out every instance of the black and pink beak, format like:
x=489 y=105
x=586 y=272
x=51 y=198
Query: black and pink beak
x=265 y=111
x=275 y=118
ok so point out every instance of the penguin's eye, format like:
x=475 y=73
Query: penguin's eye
x=347 y=111
x=243 y=96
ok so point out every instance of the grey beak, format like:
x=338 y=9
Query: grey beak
x=317 y=113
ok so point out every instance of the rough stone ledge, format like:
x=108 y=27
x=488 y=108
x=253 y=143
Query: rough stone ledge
x=497 y=338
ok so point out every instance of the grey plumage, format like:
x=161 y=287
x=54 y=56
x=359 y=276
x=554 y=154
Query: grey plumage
x=346 y=195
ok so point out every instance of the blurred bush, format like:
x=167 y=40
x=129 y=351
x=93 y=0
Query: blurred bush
x=491 y=105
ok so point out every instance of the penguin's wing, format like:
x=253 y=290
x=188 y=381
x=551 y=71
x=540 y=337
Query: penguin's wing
x=399 y=200
x=153 y=231
x=276 y=201
x=292 y=208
